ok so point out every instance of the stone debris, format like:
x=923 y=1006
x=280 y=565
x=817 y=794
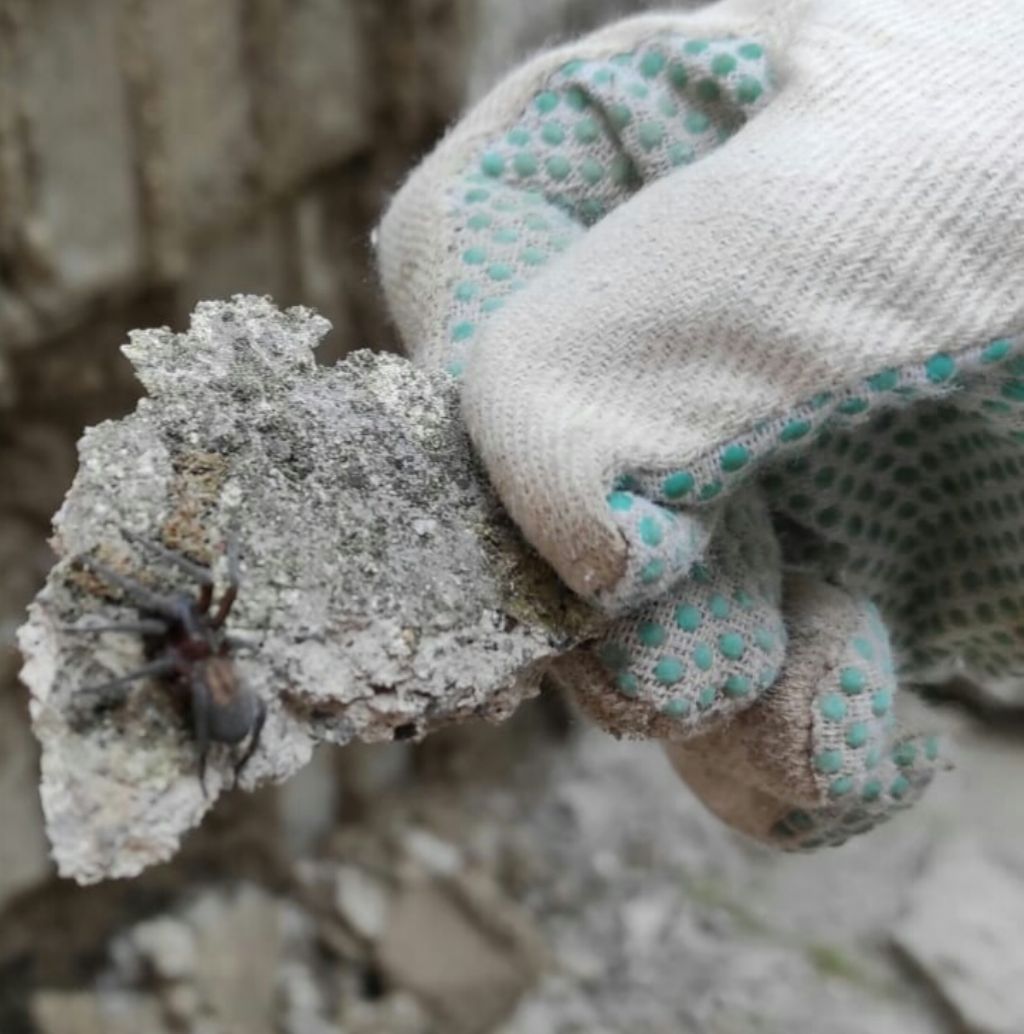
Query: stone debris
x=213 y=965
x=963 y=929
x=308 y=803
x=507 y=901
x=302 y=1007
x=24 y=858
x=361 y=900
x=396 y=1013
x=363 y=626
x=433 y=954
x=480 y=973
x=85 y=1012
x=167 y=946
x=437 y=856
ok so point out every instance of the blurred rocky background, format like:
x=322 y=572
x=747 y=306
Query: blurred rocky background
x=531 y=878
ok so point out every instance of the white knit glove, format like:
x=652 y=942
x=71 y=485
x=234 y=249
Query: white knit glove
x=737 y=299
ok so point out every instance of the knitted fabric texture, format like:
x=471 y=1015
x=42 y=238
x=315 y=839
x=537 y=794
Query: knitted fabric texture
x=737 y=300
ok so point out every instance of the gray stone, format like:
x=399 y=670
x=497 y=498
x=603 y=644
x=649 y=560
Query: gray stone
x=24 y=559
x=476 y=978
x=168 y=947
x=238 y=939
x=963 y=929
x=73 y=224
x=437 y=856
x=24 y=859
x=308 y=804
x=311 y=57
x=186 y=67
x=301 y=1002
x=397 y=1013
x=212 y=963
x=254 y=257
x=83 y=1012
x=38 y=462
x=187 y=121
x=367 y=771
x=365 y=629
x=361 y=900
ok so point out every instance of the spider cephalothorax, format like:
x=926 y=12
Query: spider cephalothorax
x=188 y=649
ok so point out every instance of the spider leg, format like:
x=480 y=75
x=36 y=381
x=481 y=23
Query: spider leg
x=163 y=666
x=145 y=626
x=254 y=739
x=231 y=592
x=201 y=726
x=137 y=593
x=197 y=571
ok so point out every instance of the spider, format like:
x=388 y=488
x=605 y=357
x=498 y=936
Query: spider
x=187 y=647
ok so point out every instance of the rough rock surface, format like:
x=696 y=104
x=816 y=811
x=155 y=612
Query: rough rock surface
x=382 y=589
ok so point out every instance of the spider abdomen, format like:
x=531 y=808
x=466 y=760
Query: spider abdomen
x=232 y=711
x=232 y=722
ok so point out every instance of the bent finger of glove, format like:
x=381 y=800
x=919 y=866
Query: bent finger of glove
x=701 y=653
x=808 y=760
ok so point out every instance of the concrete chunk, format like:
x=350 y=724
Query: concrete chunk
x=364 y=628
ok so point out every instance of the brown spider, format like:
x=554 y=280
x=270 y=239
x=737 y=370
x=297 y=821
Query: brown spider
x=188 y=648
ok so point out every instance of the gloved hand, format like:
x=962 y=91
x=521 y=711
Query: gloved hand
x=736 y=298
